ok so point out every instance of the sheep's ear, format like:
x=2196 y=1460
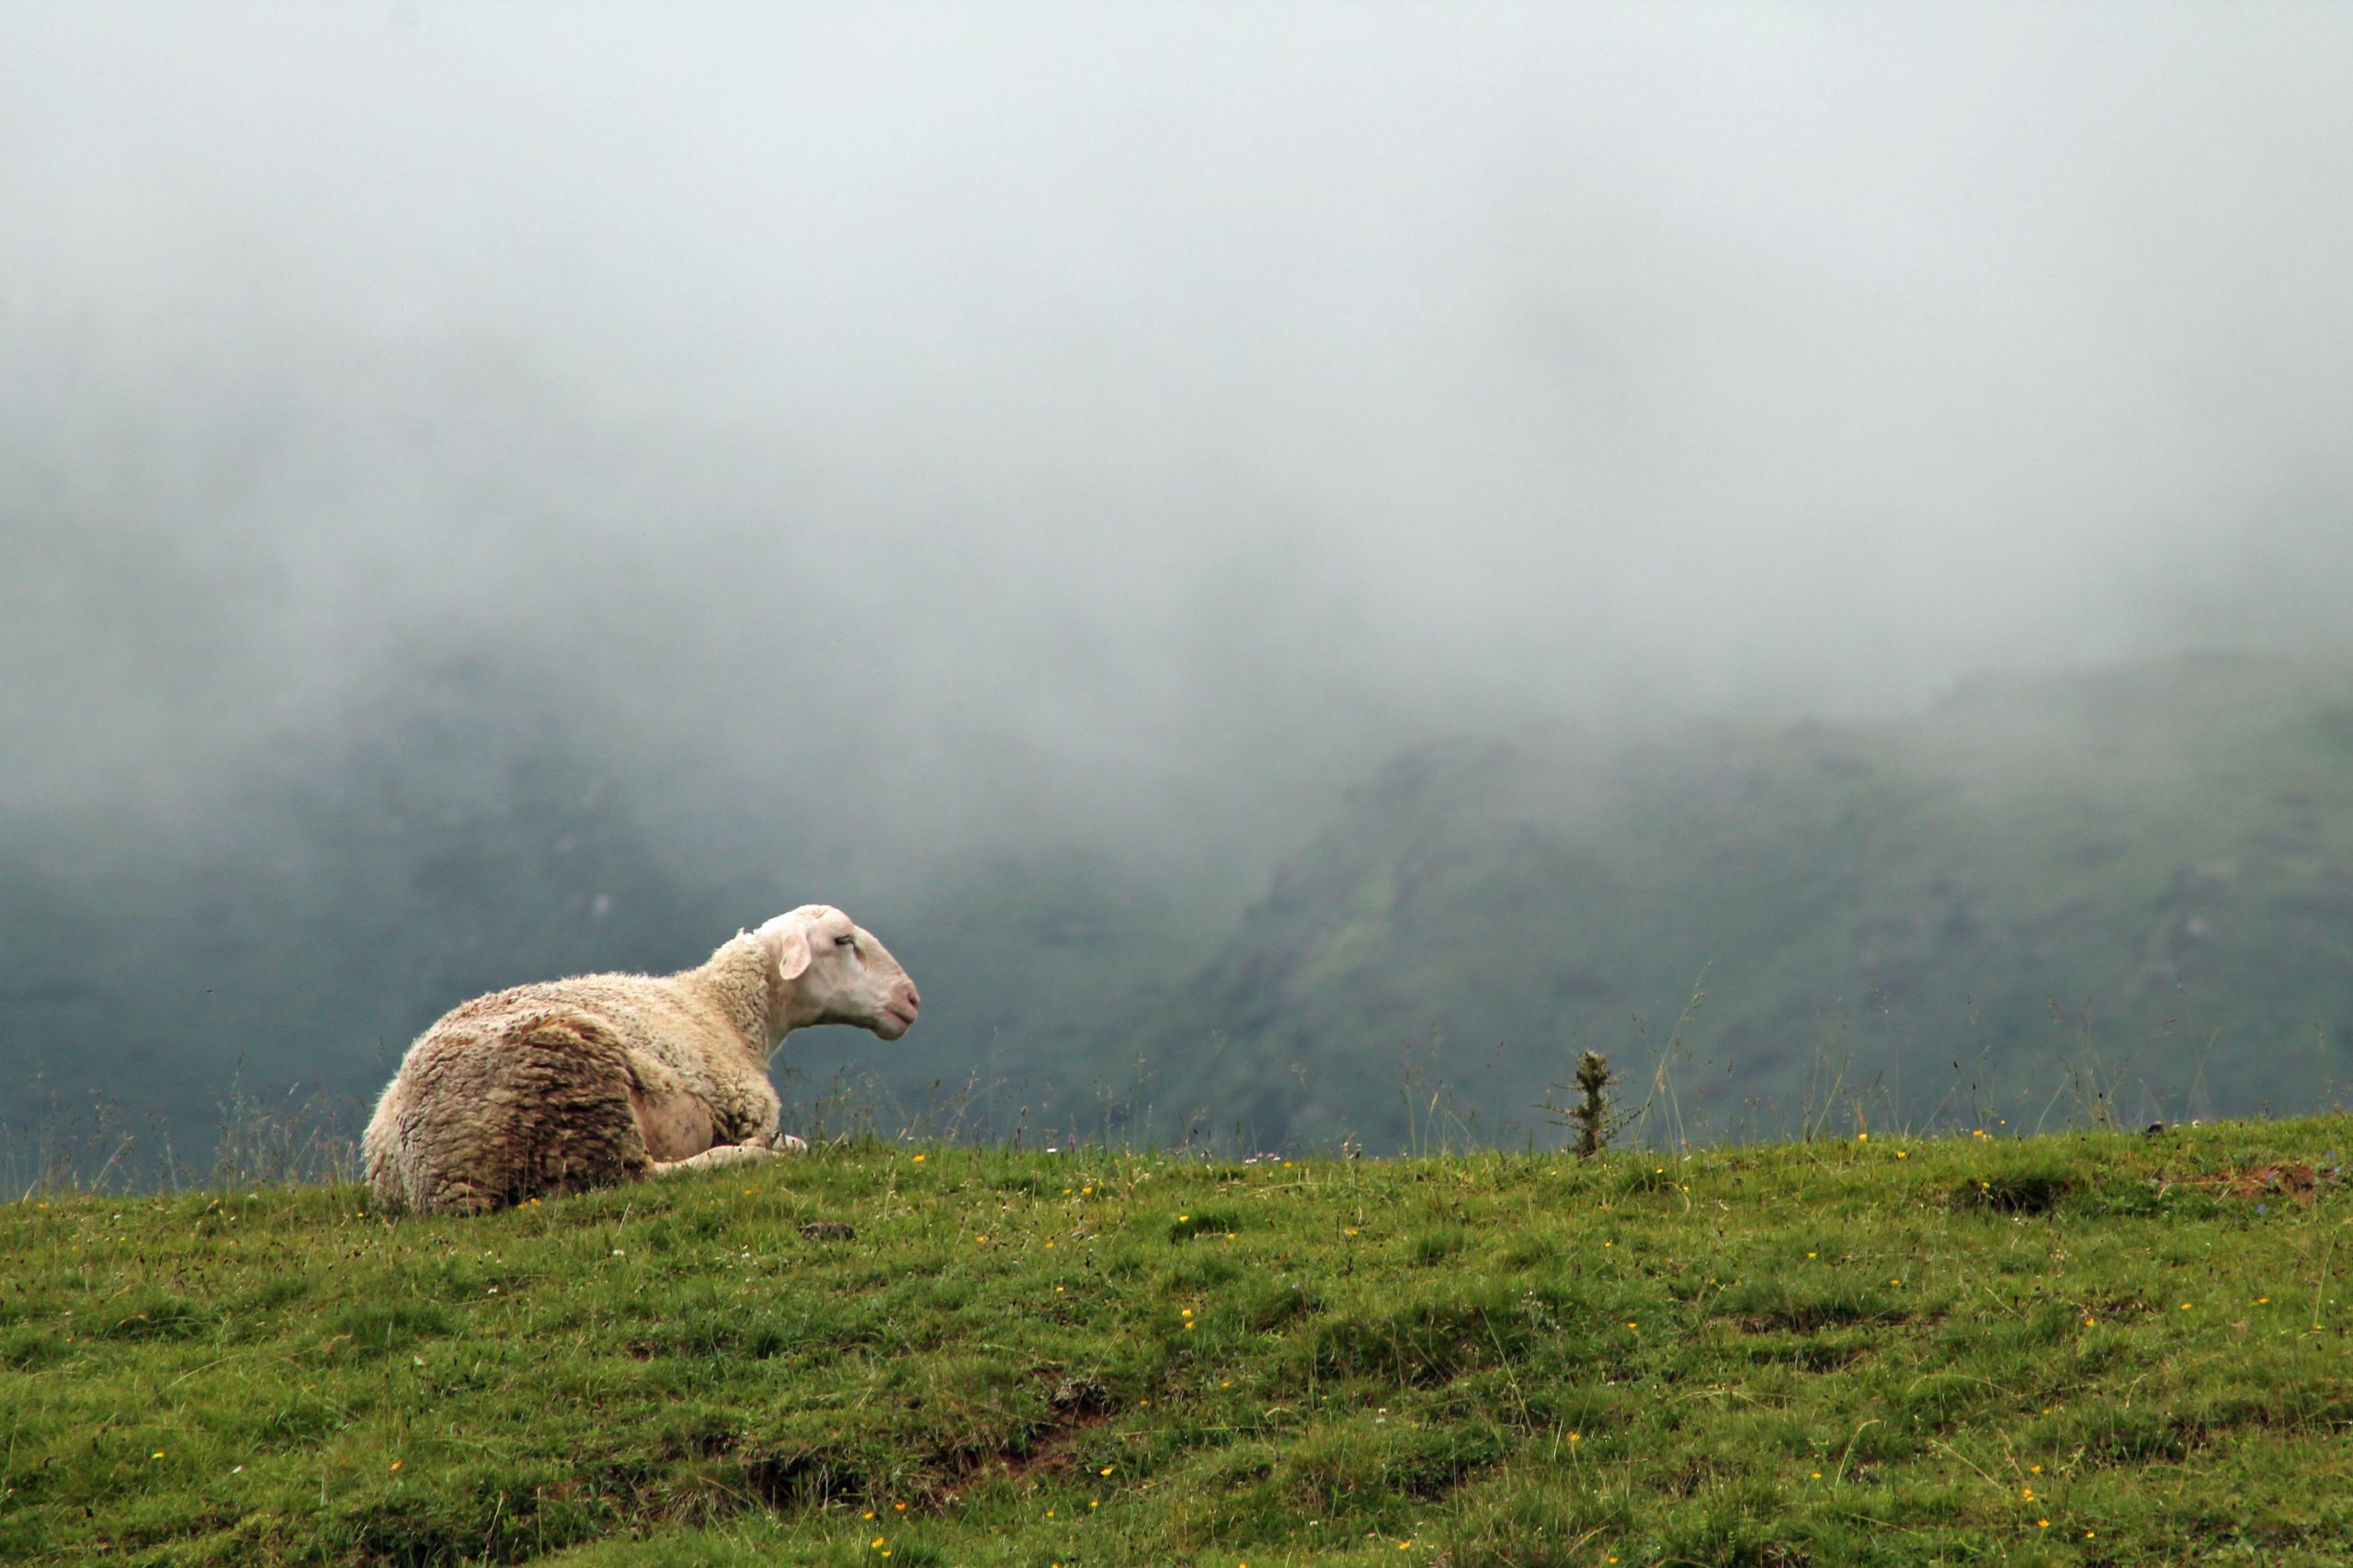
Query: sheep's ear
x=791 y=953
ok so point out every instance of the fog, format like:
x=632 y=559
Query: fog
x=885 y=429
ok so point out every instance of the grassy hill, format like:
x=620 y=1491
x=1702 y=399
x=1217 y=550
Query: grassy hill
x=2089 y=1348
x=2133 y=888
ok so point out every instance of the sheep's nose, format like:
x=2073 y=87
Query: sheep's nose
x=914 y=997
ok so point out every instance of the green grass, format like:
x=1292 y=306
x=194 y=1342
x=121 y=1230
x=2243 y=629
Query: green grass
x=1864 y=1351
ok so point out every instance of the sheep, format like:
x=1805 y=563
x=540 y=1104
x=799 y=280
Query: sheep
x=607 y=1078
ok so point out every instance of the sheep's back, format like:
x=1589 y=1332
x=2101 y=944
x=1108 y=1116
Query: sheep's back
x=648 y=1013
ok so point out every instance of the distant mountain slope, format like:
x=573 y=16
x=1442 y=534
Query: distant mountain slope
x=2151 y=868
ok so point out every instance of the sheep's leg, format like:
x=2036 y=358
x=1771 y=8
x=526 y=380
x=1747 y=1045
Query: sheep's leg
x=712 y=1160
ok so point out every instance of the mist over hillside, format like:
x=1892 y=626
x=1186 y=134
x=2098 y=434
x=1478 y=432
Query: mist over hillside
x=2120 y=894
x=482 y=496
x=2117 y=894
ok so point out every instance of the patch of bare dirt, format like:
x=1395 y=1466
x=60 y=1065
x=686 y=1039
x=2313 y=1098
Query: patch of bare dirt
x=2297 y=1180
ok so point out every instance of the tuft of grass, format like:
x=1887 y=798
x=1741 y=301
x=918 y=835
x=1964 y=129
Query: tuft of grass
x=2035 y=1185
x=2084 y=1348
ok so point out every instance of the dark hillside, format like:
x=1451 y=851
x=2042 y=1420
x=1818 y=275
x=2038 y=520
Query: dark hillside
x=2143 y=875
x=2136 y=883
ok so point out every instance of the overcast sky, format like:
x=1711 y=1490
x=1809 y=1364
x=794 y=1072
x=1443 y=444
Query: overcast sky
x=1095 y=407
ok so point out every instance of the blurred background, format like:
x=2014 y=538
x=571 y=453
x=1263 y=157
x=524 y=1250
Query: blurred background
x=1299 y=565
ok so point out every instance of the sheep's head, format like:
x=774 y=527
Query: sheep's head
x=830 y=969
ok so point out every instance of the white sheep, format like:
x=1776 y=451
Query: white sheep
x=607 y=1078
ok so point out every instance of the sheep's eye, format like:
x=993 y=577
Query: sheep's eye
x=849 y=942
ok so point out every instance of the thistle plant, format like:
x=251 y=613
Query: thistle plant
x=1589 y=1115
